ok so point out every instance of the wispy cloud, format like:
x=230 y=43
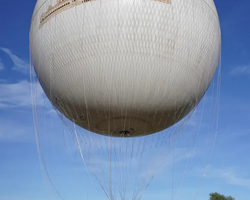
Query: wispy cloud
x=240 y=70
x=20 y=64
x=3 y=80
x=19 y=94
x=232 y=175
x=1 y=65
x=14 y=131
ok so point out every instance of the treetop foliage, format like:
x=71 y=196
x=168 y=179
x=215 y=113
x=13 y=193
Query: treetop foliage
x=217 y=196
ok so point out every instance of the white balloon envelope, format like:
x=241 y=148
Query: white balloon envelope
x=125 y=67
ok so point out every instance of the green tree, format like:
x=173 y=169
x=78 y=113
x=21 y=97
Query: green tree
x=217 y=196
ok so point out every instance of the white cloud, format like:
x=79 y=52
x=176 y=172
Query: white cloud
x=19 y=94
x=19 y=64
x=1 y=65
x=241 y=70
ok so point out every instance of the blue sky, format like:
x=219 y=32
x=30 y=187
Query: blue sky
x=227 y=171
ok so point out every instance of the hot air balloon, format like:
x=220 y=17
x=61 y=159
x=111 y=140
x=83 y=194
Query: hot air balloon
x=125 y=68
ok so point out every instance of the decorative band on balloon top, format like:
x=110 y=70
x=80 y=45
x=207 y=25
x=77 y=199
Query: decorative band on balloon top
x=63 y=5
